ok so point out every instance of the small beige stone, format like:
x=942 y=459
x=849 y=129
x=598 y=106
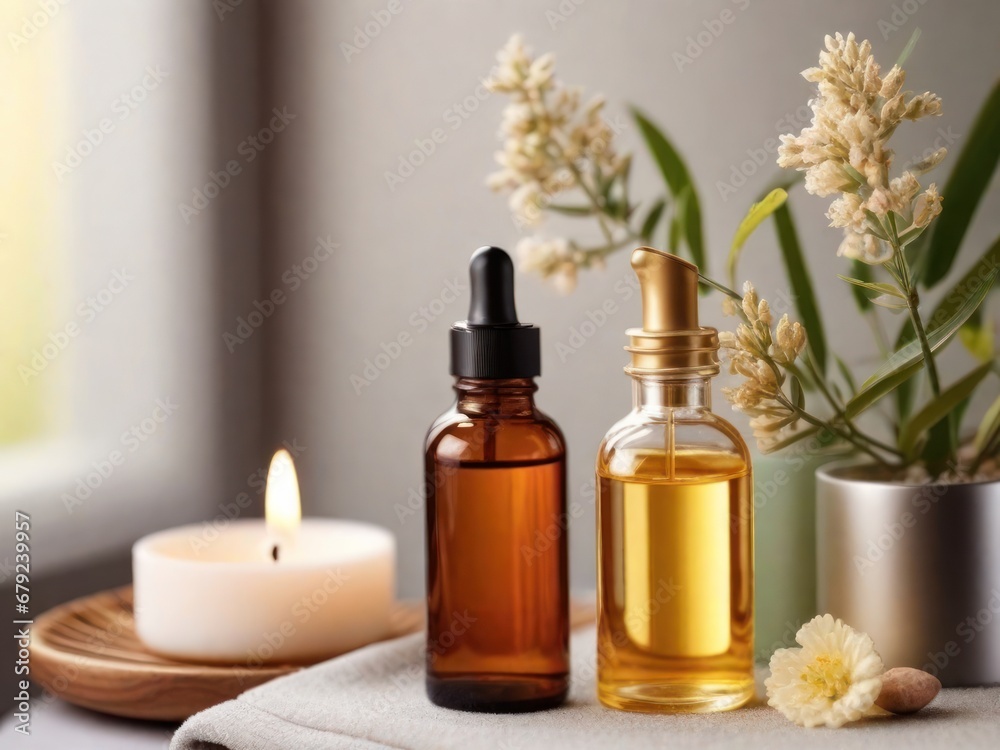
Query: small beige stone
x=905 y=690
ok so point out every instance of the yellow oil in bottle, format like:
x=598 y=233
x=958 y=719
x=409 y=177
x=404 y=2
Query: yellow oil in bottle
x=675 y=588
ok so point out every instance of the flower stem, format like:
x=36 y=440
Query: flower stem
x=905 y=279
x=912 y=306
x=838 y=409
x=850 y=436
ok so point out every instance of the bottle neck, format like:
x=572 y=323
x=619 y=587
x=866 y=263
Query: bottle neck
x=657 y=395
x=510 y=397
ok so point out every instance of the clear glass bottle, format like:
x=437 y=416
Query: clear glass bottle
x=497 y=580
x=675 y=519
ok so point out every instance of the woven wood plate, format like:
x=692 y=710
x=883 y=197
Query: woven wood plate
x=87 y=653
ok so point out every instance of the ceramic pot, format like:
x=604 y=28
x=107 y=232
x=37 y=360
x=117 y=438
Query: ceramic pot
x=917 y=567
x=785 y=542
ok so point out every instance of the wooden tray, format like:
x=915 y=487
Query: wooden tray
x=87 y=653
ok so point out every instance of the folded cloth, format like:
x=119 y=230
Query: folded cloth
x=374 y=699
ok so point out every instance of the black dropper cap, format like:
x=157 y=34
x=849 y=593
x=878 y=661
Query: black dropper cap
x=491 y=343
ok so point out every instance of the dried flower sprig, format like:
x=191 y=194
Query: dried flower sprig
x=769 y=358
x=756 y=353
x=846 y=150
x=552 y=144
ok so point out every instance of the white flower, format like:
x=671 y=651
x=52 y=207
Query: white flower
x=927 y=206
x=923 y=105
x=526 y=204
x=789 y=341
x=555 y=259
x=827 y=178
x=865 y=247
x=847 y=211
x=564 y=278
x=929 y=162
x=892 y=82
x=832 y=679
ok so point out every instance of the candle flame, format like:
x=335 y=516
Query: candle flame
x=282 y=505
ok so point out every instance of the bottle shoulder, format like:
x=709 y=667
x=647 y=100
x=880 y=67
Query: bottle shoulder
x=473 y=437
x=701 y=439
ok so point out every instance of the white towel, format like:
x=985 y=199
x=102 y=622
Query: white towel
x=374 y=698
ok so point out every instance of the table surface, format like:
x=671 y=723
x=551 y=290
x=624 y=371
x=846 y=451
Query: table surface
x=959 y=719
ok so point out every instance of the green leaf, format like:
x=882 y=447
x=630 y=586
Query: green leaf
x=989 y=428
x=791 y=439
x=652 y=219
x=964 y=190
x=571 y=210
x=940 y=439
x=978 y=339
x=988 y=263
x=862 y=272
x=890 y=302
x=798 y=276
x=940 y=407
x=757 y=213
x=676 y=176
x=907 y=360
x=910 y=236
x=908 y=49
x=795 y=391
x=872 y=286
x=677 y=221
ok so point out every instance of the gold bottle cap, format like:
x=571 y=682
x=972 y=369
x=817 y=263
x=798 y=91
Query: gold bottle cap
x=670 y=341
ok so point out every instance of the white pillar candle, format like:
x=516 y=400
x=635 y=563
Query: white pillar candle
x=226 y=599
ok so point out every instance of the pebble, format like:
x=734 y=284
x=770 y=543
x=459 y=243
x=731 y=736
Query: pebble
x=905 y=690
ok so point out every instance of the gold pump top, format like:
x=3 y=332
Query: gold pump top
x=670 y=341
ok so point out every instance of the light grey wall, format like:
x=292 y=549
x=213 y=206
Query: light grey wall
x=399 y=250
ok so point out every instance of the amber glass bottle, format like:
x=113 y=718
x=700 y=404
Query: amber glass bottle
x=497 y=583
x=675 y=519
